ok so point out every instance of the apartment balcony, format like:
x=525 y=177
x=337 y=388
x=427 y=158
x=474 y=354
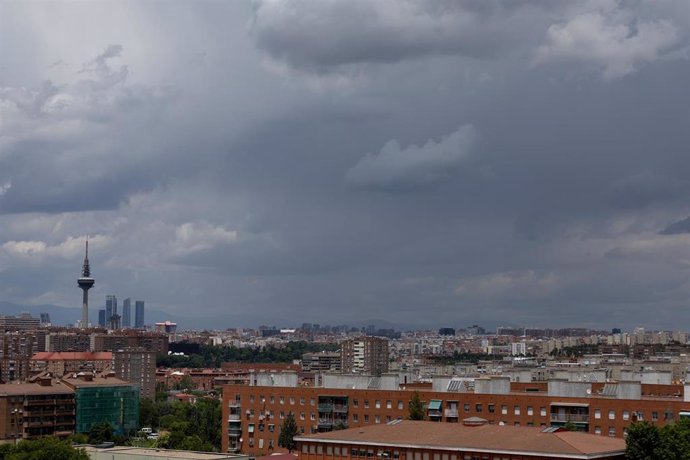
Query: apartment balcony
x=234 y=404
x=325 y=407
x=434 y=414
x=234 y=418
x=451 y=413
x=565 y=418
x=39 y=402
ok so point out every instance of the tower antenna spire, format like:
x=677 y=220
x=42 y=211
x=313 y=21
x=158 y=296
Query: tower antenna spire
x=85 y=282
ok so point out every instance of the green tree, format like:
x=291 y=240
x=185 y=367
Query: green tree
x=570 y=426
x=416 y=407
x=675 y=441
x=288 y=431
x=148 y=413
x=643 y=442
x=48 y=448
x=100 y=433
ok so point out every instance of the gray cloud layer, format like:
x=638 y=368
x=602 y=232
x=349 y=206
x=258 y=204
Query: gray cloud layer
x=422 y=162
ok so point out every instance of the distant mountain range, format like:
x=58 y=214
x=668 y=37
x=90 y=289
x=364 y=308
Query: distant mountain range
x=61 y=316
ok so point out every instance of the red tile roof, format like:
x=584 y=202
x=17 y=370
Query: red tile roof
x=487 y=438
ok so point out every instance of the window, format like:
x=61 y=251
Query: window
x=492 y=408
x=262 y=399
x=312 y=402
x=301 y=401
x=389 y=404
x=282 y=400
x=597 y=413
x=329 y=450
x=312 y=449
x=542 y=411
x=400 y=405
x=517 y=410
x=516 y=423
x=612 y=431
x=668 y=415
x=301 y=416
x=366 y=404
x=366 y=418
x=292 y=401
x=312 y=416
x=336 y=451
x=355 y=403
x=626 y=415
x=377 y=404
x=319 y=449
x=355 y=418
x=640 y=416
x=282 y=414
x=597 y=430
x=504 y=409
x=377 y=419
x=478 y=407
x=655 y=416
x=530 y=411
x=304 y=448
x=612 y=415
x=270 y=414
x=271 y=427
x=466 y=407
x=389 y=418
x=272 y=399
x=251 y=398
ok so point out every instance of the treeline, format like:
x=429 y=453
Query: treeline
x=213 y=356
x=42 y=449
x=187 y=426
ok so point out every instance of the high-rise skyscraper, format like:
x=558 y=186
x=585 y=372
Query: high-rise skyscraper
x=111 y=311
x=85 y=282
x=127 y=312
x=139 y=314
x=101 y=317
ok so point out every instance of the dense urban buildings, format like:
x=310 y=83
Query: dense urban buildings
x=58 y=364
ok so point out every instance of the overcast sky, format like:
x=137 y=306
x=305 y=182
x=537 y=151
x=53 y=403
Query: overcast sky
x=428 y=162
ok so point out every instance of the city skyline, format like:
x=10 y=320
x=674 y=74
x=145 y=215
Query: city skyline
x=421 y=163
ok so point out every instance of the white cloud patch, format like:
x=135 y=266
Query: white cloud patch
x=202 y=236
x=4 y=188
x=613 y=40
x=68 y=249
x=411 y=167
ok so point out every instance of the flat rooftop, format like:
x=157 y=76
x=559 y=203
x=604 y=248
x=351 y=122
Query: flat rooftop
x=117 y=452
x=14 y=389
x=77 y=382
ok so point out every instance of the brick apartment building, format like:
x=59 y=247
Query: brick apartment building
x=252 y=415
x=408 y=440
x=34 y=410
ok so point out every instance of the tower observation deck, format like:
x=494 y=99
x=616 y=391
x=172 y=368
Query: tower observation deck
x=85 y=282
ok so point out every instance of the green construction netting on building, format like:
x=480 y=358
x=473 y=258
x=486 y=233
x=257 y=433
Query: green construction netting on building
x=117 y=405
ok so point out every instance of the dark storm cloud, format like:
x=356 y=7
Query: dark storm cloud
x=311 y=166
x=412 y=167
x=324 y=35
x=677 y=228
